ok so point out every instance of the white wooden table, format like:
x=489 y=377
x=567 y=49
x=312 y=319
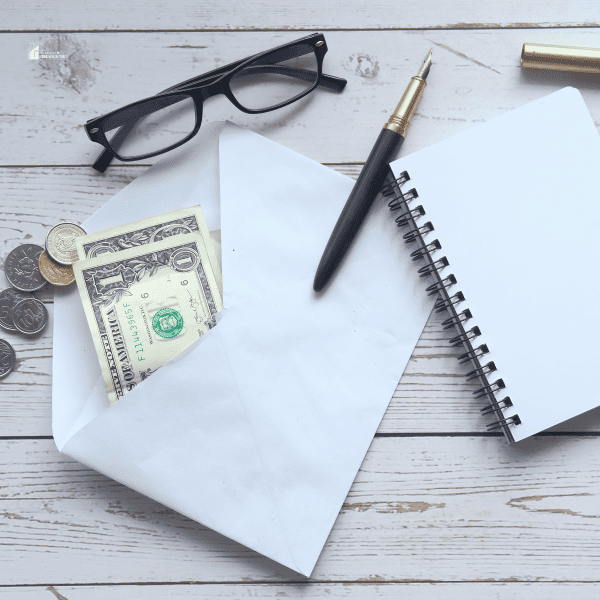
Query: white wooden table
x=439 y=509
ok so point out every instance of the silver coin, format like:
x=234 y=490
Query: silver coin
x=60 y=243
x=29 y=316
x=22 y=270
x=8 y=299
x=8 y=360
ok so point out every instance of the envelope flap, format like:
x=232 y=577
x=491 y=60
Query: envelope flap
x=189 y=447
x=170 y=184
x=315 y=371
x=279 y=206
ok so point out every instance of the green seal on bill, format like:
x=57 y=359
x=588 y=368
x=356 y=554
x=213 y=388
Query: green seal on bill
x=167 y=323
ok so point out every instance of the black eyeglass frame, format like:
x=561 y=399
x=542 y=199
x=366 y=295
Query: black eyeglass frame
x=201 y=88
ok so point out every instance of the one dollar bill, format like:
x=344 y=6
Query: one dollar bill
x=147 y=304
x=149 y=231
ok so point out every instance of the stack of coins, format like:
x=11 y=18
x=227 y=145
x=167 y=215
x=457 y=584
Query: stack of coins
x=28 y=269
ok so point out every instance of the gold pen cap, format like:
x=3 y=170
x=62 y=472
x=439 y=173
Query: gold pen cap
x=560 y=58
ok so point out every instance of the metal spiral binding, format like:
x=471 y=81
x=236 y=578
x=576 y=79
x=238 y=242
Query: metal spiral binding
x=415 y=213
x=477 y=353
x=485 y=370
x=408 y=196
x=490 y=388
x=505 y=402
x=412 y=236
x=447 y=301
x=443 y=283
x=390 y=188
x=501 y=423
x=460 y=339
x=464 y=316
x=445 y=304
x=435 y=266
x=431 y=247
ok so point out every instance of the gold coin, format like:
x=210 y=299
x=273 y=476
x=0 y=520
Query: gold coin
x=53 y=273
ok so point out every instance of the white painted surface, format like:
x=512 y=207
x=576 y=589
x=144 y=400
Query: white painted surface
x=476 y=75
x=485 y=518
x=441 y=509
x=356 y=591
x=308 y=14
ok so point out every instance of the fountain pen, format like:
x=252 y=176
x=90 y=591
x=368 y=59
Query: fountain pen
x=371 y=177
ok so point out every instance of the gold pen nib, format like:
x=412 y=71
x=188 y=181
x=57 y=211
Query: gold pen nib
x=424 y=70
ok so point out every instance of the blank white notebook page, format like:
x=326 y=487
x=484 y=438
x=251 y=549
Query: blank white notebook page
x=515 y=203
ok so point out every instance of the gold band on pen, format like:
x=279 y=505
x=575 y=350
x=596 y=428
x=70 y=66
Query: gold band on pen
x=401 y=118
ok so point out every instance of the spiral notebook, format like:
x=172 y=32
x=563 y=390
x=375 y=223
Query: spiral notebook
x=505 y=220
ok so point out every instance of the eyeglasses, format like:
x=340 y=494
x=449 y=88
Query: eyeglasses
x=257 y=84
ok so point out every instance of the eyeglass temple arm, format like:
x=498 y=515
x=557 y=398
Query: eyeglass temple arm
x=329 y=82
x=105 y=157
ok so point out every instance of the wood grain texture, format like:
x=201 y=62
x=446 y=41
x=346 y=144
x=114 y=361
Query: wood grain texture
x=432 y=396
x=462 y=509
x=316 y=590
x=470 y=516
x=225 y=15
x=475 y=76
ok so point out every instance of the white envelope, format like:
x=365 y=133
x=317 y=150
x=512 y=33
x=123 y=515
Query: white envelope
x=258 y=430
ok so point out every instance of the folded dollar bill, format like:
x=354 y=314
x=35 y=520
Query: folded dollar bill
x=146 y=304
x=148 y=231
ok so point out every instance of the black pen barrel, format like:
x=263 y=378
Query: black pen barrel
x=357 y=206
x=371 y=177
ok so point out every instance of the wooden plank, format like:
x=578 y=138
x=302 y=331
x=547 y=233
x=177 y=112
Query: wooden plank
x=432 y=396
x=476 y=76
x=26 y=406
x=32 y=200
x=461 y=509
x=346 y=590
x=310 y=14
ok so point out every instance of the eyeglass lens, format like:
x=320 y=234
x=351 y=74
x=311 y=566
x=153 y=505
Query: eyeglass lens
x=157 y=123
x=160 y=122
x=275 y=78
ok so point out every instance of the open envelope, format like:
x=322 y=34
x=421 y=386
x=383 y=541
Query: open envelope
x=257 y=430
